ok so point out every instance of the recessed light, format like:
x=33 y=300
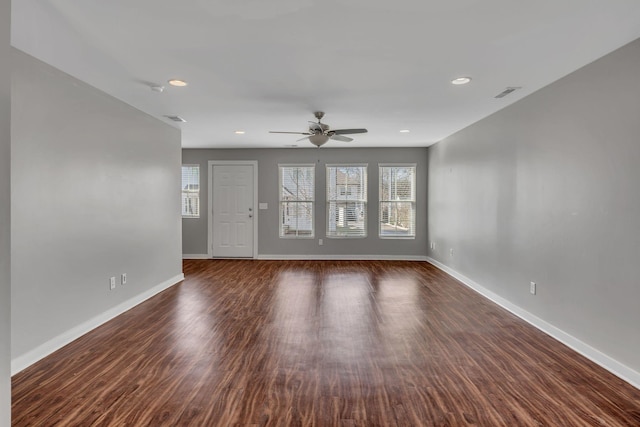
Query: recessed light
x=405 y=131
x=461 y=81
x=178 y=83
x=239 y=132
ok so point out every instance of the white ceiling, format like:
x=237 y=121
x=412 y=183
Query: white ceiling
x=258 y=65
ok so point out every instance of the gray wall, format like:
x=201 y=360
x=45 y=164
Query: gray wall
x=5 y=229
x=95 y=193
x=195 y=230
x=546 y=190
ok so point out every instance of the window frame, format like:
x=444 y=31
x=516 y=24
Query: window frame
x=190 y=192
x=364 y=201
x=281 y=202
x=412 y=201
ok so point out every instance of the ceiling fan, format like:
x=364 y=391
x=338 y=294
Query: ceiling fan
x=319 y=133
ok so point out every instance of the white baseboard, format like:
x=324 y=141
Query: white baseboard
x=285 y=257
x=618 y=369
x=21 y=362
x=344 y=257
x=195 y=256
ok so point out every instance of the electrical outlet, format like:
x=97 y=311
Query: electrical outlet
x=320 y=242
x=112 y=283
x=532 y=288
x=123 y=278
x=451 y=251
x=433 y=245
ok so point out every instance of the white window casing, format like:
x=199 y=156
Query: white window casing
x=397 y=197
x=297 y=200
x=347 y=201
x=191 y=191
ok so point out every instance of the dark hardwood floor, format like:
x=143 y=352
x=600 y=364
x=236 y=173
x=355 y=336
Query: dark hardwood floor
x=319 y=343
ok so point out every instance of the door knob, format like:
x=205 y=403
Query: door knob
x=250 y=216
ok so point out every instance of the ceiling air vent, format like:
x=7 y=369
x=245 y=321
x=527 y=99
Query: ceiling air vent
x=176 y=119
x=507 y=91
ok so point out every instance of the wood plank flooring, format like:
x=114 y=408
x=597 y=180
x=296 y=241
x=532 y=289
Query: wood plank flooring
x=319 y=343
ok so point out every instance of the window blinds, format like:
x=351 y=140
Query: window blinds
x=346 y=200
x=191 y=191
x=297 y=188
x=397 y=201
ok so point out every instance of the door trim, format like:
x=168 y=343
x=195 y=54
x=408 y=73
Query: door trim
x=212 y=163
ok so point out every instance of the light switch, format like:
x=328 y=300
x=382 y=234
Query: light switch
x=263 y=206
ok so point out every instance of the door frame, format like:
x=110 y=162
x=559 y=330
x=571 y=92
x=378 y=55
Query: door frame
x=254 y=164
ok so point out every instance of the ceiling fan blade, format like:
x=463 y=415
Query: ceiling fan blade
x=341 y=138
x=348 y=131
x=295 y=133
x=301 y=139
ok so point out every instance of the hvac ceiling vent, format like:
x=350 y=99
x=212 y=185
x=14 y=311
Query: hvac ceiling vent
x=176 y=119
x=507 y=91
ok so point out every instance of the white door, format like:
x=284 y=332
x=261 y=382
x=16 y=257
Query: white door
x=233 y=211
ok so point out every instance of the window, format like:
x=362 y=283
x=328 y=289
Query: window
x=297 y=183
x=346 y=200
x=190 y=191
x=397 y=201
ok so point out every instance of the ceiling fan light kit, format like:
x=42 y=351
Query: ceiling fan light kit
x=319 y=133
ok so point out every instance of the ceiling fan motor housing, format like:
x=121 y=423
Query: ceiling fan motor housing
x=318 y=127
